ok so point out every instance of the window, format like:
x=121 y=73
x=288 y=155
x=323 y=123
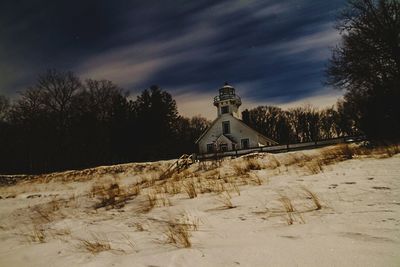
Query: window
x=225 y=109
x=210 y=148
x=245 y=143
x=223 y=147
x=226 y=127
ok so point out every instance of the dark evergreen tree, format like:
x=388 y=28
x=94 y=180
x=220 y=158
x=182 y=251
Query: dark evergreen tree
x=156 y=116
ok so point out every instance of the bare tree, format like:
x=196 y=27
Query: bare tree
x=366 y=64
x=57 y=90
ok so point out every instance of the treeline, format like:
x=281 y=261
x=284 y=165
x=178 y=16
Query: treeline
x=64 y=123
x=301 y=124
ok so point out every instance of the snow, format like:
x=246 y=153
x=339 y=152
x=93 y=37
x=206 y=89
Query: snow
x=358 y=224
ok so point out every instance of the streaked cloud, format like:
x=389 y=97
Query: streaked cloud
x=316 y=44
x=271 y=51
x=136 y=64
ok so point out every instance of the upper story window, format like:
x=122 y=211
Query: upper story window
x=225 y=109
x=226 y=127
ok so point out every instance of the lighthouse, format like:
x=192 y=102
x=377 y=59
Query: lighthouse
x=228 y=132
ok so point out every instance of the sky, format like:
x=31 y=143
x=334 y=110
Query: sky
x=272 y=51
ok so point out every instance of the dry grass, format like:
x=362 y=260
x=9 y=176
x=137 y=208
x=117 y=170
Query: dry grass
x=210 y=186
x=150 y=203
x=252 y=164
x=133 y=190
x=57 y=233
x=190 y=188
x=46 y=212
x=208 y=165
x=273 y=162
x=172 y=187
x=292 y=215
x=147 y=180
x=152 y=200
x=113 y=195
x=107 y=196
x=299 y=159
x=179 y=235
x=139 y=227
x=392 y=150
x=36 y=235
x=178 y=231
x=314 y=164
x=96 y=245
x=314 y=197
x=163 y=200
x=203 y=187
x=246 y=166
x=338 y=153
x=128 y=240
x=235 y=188
x=89 y=174
x=71 y=201
x=386 y=151
x=225 y=199
x=41 y=215
x=287 y=204
x=257 y=180
x=345 y=152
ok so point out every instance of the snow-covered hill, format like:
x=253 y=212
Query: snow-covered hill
x=337 y=206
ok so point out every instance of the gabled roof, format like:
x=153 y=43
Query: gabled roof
x=244 y=124
x=260 y=134
x=230 y=138
x=206 y=131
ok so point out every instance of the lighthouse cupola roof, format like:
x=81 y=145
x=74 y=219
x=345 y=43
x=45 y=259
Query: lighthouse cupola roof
x=227 y=92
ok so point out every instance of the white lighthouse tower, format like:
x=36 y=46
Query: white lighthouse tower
x=227 y=102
